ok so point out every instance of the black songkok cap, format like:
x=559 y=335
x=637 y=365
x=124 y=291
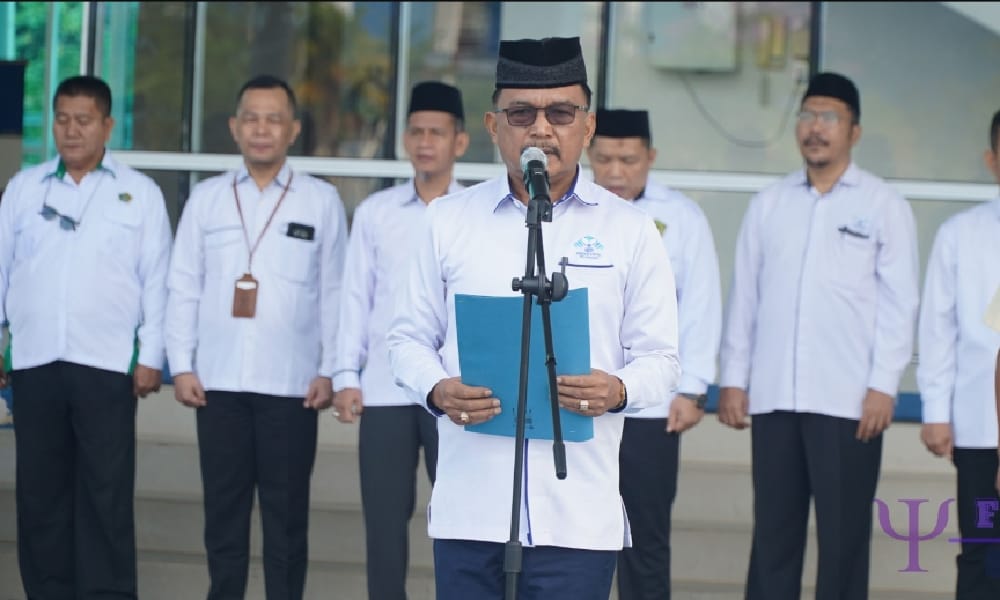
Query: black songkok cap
x=835 y=85
x=546 y=63
x=434 y=95
x=620 y=123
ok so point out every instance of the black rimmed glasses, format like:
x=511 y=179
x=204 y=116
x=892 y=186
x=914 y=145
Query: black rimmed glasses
x=66 y=223
x=562 y=113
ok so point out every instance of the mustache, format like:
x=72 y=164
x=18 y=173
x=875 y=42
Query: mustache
x=813 y=140
x=549 y=150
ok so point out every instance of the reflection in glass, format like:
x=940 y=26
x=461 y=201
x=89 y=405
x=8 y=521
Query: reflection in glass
x=728 y=105
x=456 y=42
x=47 y=64
x=142 y=57
x=335 y=55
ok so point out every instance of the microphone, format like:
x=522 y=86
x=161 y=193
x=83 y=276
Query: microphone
x=536 y=178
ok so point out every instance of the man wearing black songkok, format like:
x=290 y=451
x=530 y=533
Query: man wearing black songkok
x=475 y=241
x=621 y=156
x=393 y=428
x=819 y=330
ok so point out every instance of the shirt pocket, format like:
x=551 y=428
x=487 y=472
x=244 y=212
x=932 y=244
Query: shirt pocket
x=121 y=230
x=225 y=253
x=854 y=260
x=295 y=259
x=602 y=279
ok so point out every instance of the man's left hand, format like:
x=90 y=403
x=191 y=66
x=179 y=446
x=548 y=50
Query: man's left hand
x=591 y=395
x=876 y=415
x=145 y=380
x=684 y=414
x=320 y=394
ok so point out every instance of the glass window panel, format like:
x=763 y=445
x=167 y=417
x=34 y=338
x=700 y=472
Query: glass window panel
x=456 y=42
x=928 y=90
x=721 y=80
x=142 y=57
x=335 y=55
x=47 y=36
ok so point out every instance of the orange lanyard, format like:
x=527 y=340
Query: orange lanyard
x=246 y=234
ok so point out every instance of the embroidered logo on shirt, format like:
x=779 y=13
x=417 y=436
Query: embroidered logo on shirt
x=588 y=247
x=125 y=197
x=660 y=226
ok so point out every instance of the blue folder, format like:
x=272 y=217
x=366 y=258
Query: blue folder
x=489 y=355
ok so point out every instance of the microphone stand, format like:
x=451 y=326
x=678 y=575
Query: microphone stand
x=539 y=210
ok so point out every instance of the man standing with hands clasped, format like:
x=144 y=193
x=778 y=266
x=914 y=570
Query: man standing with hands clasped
x=84 y=250
x=393 y=426
x=819 y=330
x=621 y=156
x=252 y=321
x=473 y=242
x=955 y=374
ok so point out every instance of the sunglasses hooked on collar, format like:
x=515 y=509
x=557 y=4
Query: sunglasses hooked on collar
x=65 y=222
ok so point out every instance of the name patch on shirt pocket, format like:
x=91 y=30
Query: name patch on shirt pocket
x=301 y=231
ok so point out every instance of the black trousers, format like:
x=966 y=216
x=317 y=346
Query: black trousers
x=797 y=456
x=75 y=473
x=978 y=563
x=389 y=443
x=648 y=484
x=474 y=570
x=249 y=441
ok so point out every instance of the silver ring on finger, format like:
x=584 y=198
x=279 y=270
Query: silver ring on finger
x=463 y=417
x=584 y=405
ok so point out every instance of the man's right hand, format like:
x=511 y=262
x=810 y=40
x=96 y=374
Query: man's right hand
x=937 y=437
x=464 y=404
x=734 y=405
x=3 y=375
x=347 y=404
x=188 y=390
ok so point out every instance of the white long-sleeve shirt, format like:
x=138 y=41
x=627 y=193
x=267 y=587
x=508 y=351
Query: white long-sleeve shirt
x=824 y=296
x=688 y=239
x=381 y=242
x=292 y=337
x=475 y=243
x=957 y=349
x=85 y=295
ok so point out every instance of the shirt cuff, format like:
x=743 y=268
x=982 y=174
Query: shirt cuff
x=887 y=383
x=691 y=386
x=180 y=363
x=346 y=379
x=736 y=376
x=935 y=412
x=154 y=358
x=434 y=410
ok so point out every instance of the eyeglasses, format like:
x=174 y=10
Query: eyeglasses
x=826 y=117
x=66 y=223
x=562 y=113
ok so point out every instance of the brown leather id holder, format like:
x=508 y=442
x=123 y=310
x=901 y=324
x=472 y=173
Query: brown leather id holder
x=245 y=297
